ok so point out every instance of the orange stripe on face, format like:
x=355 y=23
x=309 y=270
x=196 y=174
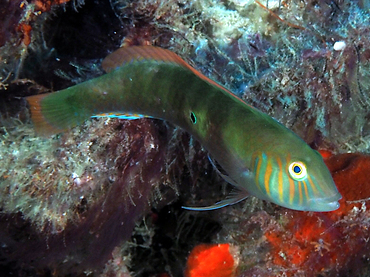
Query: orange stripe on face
x=300 y=193
x=268 y=176
x=305 y=189
x=280 y=179
x=291 y=182
x=291 y=187
x=312 y=184
x=258 y=171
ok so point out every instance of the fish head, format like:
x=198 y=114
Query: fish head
x=295 y=181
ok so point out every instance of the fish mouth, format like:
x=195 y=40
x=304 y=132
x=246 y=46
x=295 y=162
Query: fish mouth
x=331 y=206
x=325 y=204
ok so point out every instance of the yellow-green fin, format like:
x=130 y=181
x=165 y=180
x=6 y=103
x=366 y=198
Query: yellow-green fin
x=42 y=127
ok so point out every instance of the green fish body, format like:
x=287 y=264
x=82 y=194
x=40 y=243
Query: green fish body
x=261 y=157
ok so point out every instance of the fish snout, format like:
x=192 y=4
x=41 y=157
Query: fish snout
x=324 y=204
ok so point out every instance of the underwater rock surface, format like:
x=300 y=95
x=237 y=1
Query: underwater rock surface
x=104 y=199
x=75 y=223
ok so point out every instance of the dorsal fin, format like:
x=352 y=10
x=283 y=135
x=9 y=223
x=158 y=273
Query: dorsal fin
x=129 y=54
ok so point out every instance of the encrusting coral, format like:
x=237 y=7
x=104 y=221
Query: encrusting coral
x=88 y=195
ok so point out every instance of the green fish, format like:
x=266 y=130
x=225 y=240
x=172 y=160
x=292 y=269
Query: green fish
x=260 y=156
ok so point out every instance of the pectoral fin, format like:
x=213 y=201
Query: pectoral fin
x=219 y=171
x=234 y=197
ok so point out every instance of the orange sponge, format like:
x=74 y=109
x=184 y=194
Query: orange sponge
x=216 y=260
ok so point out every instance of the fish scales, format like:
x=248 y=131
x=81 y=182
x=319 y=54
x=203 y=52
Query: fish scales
x=260 y=156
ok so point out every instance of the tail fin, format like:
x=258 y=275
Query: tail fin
x=42 y=126
x=51 y=113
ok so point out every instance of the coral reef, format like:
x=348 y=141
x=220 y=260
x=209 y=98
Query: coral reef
x=104 y=199
x=283 y=68
x=18 y=19
x=86 y=198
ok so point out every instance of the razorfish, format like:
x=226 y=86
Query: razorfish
x=260 y=156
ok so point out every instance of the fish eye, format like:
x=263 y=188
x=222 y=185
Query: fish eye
x=297 y=171
x=193 y=118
